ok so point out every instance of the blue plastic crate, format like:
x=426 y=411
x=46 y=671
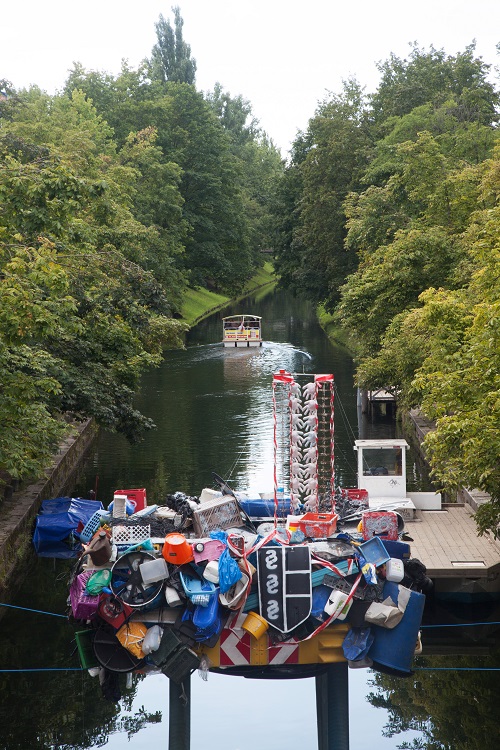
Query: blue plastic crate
x=374 y=551
x=92 y=526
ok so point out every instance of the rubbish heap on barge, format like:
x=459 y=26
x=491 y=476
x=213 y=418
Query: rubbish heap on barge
x=309 y=575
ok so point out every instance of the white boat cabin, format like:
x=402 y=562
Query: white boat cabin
x=382 y=472
x=242 y=330
x=382 y=467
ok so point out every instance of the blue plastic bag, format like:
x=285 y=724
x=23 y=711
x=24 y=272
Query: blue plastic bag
x=229 y=572
x=357 y=643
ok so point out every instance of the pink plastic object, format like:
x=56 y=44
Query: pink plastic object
x=212 y=550
x=383 y=524
x=83 y=606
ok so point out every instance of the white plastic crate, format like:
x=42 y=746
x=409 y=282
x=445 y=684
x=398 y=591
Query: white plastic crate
x=220 y=513
x=129 y=535
x=119 y=506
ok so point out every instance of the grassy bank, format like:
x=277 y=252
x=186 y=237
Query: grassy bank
x=331 y=328
x=199 y=303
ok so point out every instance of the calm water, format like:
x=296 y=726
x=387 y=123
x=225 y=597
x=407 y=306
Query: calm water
x=213 y=411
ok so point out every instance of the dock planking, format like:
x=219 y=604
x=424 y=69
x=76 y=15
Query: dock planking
x=447 y=540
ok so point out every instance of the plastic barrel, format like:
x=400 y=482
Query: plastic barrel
x=393 y=649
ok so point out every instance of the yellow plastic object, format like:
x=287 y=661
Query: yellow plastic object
x=324 y=648
x=255 y=625
x=131 y=636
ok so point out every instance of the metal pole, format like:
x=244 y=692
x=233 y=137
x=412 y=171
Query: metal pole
x=179 y=720
x=332 y=707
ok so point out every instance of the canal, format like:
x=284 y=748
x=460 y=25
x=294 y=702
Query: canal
x=213 y=412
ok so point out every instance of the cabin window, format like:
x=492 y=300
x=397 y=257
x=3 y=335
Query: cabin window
x=378 y=462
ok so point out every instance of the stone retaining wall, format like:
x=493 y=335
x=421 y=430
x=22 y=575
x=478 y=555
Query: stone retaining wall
x=17 y=514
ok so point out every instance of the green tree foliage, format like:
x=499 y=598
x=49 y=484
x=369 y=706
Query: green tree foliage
x=171 y=57
x=432 y=77
x=79 y=321
x=331 y=158
x=388 y=214
x=259 y=166
x=451 y=710
x=114 y=195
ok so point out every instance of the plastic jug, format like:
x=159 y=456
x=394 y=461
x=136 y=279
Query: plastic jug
x=337 y=603
x=99 y=549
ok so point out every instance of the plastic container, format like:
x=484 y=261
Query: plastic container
x=176 y=549
x=121 y=506
x=400 y=550
x=154 y=570
x=255 y=625
x=218 y=514
x=394 y=570
x=337 y=604
x=92 y=525
x=138 y=497
x=207 y=619
x=99 y=549
x=394 y=649
x=196 y=589
x=83 y=606
x=356 y=494
x=374 y=551
x=172 y=597
x=318 y=525
x=383 y=524
x=211 y=572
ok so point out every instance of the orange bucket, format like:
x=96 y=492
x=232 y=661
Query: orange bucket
x=255 y=625
x=177 y=550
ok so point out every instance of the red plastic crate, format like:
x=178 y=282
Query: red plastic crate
x=355 y=494
x=138 y=496
x=383 y=524
x=318 y=525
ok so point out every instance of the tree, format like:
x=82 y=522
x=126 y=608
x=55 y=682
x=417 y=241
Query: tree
x=171 y=56
x=258 y=166
x=330 y=158
x=433 y=77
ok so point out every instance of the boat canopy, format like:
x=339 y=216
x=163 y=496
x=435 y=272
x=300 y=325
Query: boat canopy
x=242 y=330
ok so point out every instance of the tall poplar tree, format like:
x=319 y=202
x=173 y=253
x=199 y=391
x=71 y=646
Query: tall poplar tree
x=171 y=56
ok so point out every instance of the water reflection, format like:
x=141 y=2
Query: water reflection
x=213 y=411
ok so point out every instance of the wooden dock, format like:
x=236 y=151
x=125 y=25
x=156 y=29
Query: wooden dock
x=446 y=541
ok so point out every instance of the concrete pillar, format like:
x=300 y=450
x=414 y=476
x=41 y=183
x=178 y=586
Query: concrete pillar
x=332 y=707
x=179 y=719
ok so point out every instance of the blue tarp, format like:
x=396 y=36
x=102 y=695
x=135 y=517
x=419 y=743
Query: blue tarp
x=57 y=521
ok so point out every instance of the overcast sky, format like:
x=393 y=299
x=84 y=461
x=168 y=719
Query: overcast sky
x=281 y=55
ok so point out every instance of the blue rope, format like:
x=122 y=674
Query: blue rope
x=38 y=611
x=460 y=625
x=46 y=669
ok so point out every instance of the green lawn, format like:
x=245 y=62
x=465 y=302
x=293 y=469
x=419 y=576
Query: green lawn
x=198 y=303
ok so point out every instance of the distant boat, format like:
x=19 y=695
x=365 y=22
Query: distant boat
x=242 y=330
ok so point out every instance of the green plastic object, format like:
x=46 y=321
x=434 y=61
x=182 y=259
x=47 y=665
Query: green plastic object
x=85 y=645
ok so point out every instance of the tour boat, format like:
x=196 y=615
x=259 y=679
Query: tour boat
x=241 y=330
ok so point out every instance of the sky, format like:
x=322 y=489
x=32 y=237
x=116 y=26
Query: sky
x=283 y=56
